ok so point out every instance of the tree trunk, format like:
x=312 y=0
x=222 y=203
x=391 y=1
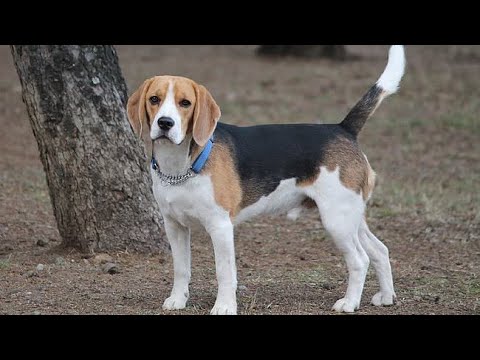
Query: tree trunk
x=336 y=52
x=98 y=182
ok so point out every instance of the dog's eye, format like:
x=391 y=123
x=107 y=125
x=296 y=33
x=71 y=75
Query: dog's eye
x=185 y=103
x=154 y=100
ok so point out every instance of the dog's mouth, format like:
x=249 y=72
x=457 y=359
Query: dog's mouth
x=161 y=137
x=164 y=138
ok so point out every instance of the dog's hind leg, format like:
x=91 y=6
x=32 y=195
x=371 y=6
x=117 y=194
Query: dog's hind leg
x=346 y=239
x=179 y=238
x=341 y=211
x=378 y=254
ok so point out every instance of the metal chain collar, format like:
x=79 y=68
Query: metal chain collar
x=170 y=179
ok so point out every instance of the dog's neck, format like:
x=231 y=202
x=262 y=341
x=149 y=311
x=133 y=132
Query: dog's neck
x=173 y=159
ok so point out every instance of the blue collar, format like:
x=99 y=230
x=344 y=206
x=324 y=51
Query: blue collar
x=202 y=158
x=199 y=162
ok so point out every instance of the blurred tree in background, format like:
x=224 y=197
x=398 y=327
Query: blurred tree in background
x=336 y=52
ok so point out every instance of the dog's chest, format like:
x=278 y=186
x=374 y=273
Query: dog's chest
x=188 y=203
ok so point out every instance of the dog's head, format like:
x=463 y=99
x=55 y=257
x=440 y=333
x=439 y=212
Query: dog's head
x=171 y=107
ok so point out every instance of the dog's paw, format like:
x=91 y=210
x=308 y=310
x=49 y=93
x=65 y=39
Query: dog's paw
x=345 y=305
x=175 y=303
x=383 y=299
x=221 y=308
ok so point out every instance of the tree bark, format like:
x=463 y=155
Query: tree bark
x=336 y=52
x=95 y=167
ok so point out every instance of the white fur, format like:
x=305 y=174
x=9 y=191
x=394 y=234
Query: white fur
x=341 y=210
x=179 y=238
x=173 y=159
x=284 y=198
x=391 y=76
x=188 y=204
x=378 y=254
x=169 y=109
x=221 y=232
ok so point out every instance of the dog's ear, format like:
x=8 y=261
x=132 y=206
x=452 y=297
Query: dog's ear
x=205 y=115
x=137 y=112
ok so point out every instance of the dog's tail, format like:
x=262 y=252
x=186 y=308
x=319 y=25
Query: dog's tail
x=386 y=85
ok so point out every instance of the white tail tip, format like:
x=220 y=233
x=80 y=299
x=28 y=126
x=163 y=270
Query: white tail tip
x=394 y=71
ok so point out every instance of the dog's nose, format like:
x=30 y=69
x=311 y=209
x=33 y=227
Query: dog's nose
x=165 y=123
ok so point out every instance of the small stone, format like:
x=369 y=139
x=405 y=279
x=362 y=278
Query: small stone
x=432 y=298
x=95 y=80
x=327 y=286
x=42 y=242
x=242 y=287
x=59 y=260
x=36 y=312
x=40 y=267
x=102 y=259
x=110 y=268
x=30 y=274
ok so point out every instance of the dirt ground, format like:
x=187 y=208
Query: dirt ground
x=423 y=143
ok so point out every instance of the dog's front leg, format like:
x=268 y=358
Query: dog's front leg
x=179 y=238
x=221 y=233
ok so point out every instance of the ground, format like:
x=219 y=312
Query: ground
x=423 y=143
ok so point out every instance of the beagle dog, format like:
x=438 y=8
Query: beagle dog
x=219 y=175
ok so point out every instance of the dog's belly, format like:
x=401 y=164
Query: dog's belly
x=284 y=198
